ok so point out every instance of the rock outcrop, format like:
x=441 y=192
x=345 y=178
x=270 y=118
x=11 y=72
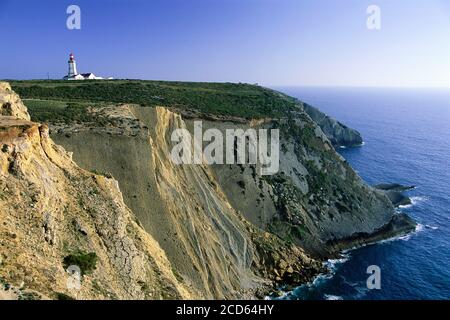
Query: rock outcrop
x=339 y=134
x=54 y=213
x=11 y=104
x=315 y=199
x=395 y=193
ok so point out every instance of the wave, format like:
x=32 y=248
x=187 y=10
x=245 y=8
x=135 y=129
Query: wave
x=414 y=201
x=419 y=199
x=355 y=146
x=333 y=264
x=419 y=228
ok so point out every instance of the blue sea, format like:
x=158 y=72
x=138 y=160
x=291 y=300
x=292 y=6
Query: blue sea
x=407 y=141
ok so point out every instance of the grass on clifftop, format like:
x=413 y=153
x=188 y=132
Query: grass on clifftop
x=229 y=99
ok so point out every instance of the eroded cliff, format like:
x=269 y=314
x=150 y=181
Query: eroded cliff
x=210 y=245
x=195 y=211
x=53 y=213
x=338 y=133
x=224 y=230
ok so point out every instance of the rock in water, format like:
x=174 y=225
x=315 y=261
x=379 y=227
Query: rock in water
x=393 y=187
x=394 y=192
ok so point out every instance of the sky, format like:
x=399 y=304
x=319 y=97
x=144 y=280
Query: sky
x=270 y=42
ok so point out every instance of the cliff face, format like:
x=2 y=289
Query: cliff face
x=211 y=231
x=206 y=217
x=315 y=199
x=54 y=214
x=11 y=104
x=338 y=133
x=210 y=245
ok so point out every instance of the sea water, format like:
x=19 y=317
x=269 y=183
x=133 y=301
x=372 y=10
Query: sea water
x=407 y=141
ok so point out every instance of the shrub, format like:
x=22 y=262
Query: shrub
x=85 y=261
x=63 y=296
x=243 y=100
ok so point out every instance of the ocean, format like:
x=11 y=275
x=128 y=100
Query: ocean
x=406 y=136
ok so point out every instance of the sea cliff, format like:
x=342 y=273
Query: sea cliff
x=208 y=231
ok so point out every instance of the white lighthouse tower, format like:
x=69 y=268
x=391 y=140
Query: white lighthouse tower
x=72 y=67
x=74 y=75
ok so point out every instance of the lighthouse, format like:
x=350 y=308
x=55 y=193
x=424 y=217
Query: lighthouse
x=74 y=75
x=72 y=66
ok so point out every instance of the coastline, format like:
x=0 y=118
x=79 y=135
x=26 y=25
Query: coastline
x=400 y=225
x=343 y=256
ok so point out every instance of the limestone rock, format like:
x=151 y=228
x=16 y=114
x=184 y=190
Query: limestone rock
x=43 y=193
x=11 y=104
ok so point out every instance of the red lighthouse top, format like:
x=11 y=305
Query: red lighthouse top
x=71 y=57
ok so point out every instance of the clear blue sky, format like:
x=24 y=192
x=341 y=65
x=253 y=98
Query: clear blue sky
x=272 y=42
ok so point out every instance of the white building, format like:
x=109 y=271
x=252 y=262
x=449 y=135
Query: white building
x=74 y=75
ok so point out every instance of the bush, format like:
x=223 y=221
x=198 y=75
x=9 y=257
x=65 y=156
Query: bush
x=63 y=296
x=87 y=262
x=230 y=99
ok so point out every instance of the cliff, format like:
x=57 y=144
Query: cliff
x=221 y=231
x=11 y=104
x=315 y=200
x=54 y=213
x=211 y=245
x=339 y=134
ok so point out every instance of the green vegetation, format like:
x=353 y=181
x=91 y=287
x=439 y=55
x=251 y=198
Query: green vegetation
x=230 y=99
x=87 y=262
x=29 y=296
x=57 y=111
x=284 y=229
x=63 y=296
x=102 y=173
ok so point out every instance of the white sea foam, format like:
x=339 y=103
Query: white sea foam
x=414 y=201
x=333 y=264
x=418 y=199
x=406 y=237
x=357 y=145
